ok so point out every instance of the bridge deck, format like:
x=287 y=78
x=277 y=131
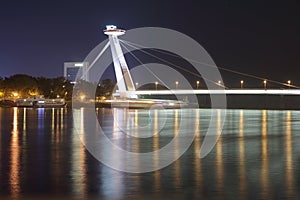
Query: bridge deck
x=228 y=91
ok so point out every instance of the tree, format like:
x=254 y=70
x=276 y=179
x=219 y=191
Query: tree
x=84 y=89
x=107 y=87
x=20 y=84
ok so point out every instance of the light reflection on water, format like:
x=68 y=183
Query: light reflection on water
x=289 y=159
x=219 y=160
x=197 y=162
x=242 y=164
x=78 y=163
x=157 y=178
x=265 y=158
x=14 y=176
x=255 y=157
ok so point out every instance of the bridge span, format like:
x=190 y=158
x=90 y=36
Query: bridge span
x=226 y=92
x=235 y=98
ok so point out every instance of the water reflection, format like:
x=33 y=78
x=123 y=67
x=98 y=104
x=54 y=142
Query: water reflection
x=41 y=113
x=78 y=161
x=176 y=151
x=14 y=175
x=52 y=126
x=56 y=155
x=61 y=119
x=219 y=158
x=265 y=158
x=110 y=178
x=119 y=123
x=24 y=132
x=242 y=162
x=136 y=147
x=197 y=142
x=24 y=120
x=40 y=152
x=289 y=158
x=157 y=178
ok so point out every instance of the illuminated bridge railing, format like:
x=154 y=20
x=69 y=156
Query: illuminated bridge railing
x=226 y=92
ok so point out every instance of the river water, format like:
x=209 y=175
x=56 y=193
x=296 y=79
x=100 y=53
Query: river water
x=42 y=155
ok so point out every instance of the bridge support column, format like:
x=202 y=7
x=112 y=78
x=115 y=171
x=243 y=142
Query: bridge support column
x=124 y=80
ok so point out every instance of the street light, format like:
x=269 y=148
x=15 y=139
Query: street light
x=289 y=83
x=82 y=97
x=156 y=83
x=198 y=82
x=220 y=83
x=265 y=84
x=15 y=94
x=242 y=84
x=136 y=84
x=176 y=84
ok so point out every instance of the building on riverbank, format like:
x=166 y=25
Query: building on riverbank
x=71 y=69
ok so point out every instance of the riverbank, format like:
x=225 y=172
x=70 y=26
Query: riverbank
x=265 y=102
x=7 y=103
x=243 y=101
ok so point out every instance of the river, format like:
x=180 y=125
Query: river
x=43 y=154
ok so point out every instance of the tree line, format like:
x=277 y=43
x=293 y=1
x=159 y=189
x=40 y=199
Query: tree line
x=24 y=86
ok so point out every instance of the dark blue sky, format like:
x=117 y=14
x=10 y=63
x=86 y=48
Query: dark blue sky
x=255 y=37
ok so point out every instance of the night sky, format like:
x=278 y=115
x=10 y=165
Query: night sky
x=261 y=38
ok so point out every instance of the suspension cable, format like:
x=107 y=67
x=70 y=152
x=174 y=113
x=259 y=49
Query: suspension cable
x=210 y=65
x=123 y=45
x=177 y=66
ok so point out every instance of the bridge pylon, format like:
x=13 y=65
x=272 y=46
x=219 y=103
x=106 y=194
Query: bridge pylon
x=126 y=87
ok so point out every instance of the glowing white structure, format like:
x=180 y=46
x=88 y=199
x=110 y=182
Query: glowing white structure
x=71 y=69
x=126 y=87
x=124 y=80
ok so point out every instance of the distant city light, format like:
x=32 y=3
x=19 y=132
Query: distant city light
x=33 y=93
x=289 y=83
x=78 y=64
x=82 y=97
x=15 y=94
x=220 y=83
x=265 y=84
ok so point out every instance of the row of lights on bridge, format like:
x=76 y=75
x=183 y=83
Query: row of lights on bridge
x=219 y=83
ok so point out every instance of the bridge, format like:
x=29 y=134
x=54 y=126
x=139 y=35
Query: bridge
x=127 y=88
x=226 y=92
